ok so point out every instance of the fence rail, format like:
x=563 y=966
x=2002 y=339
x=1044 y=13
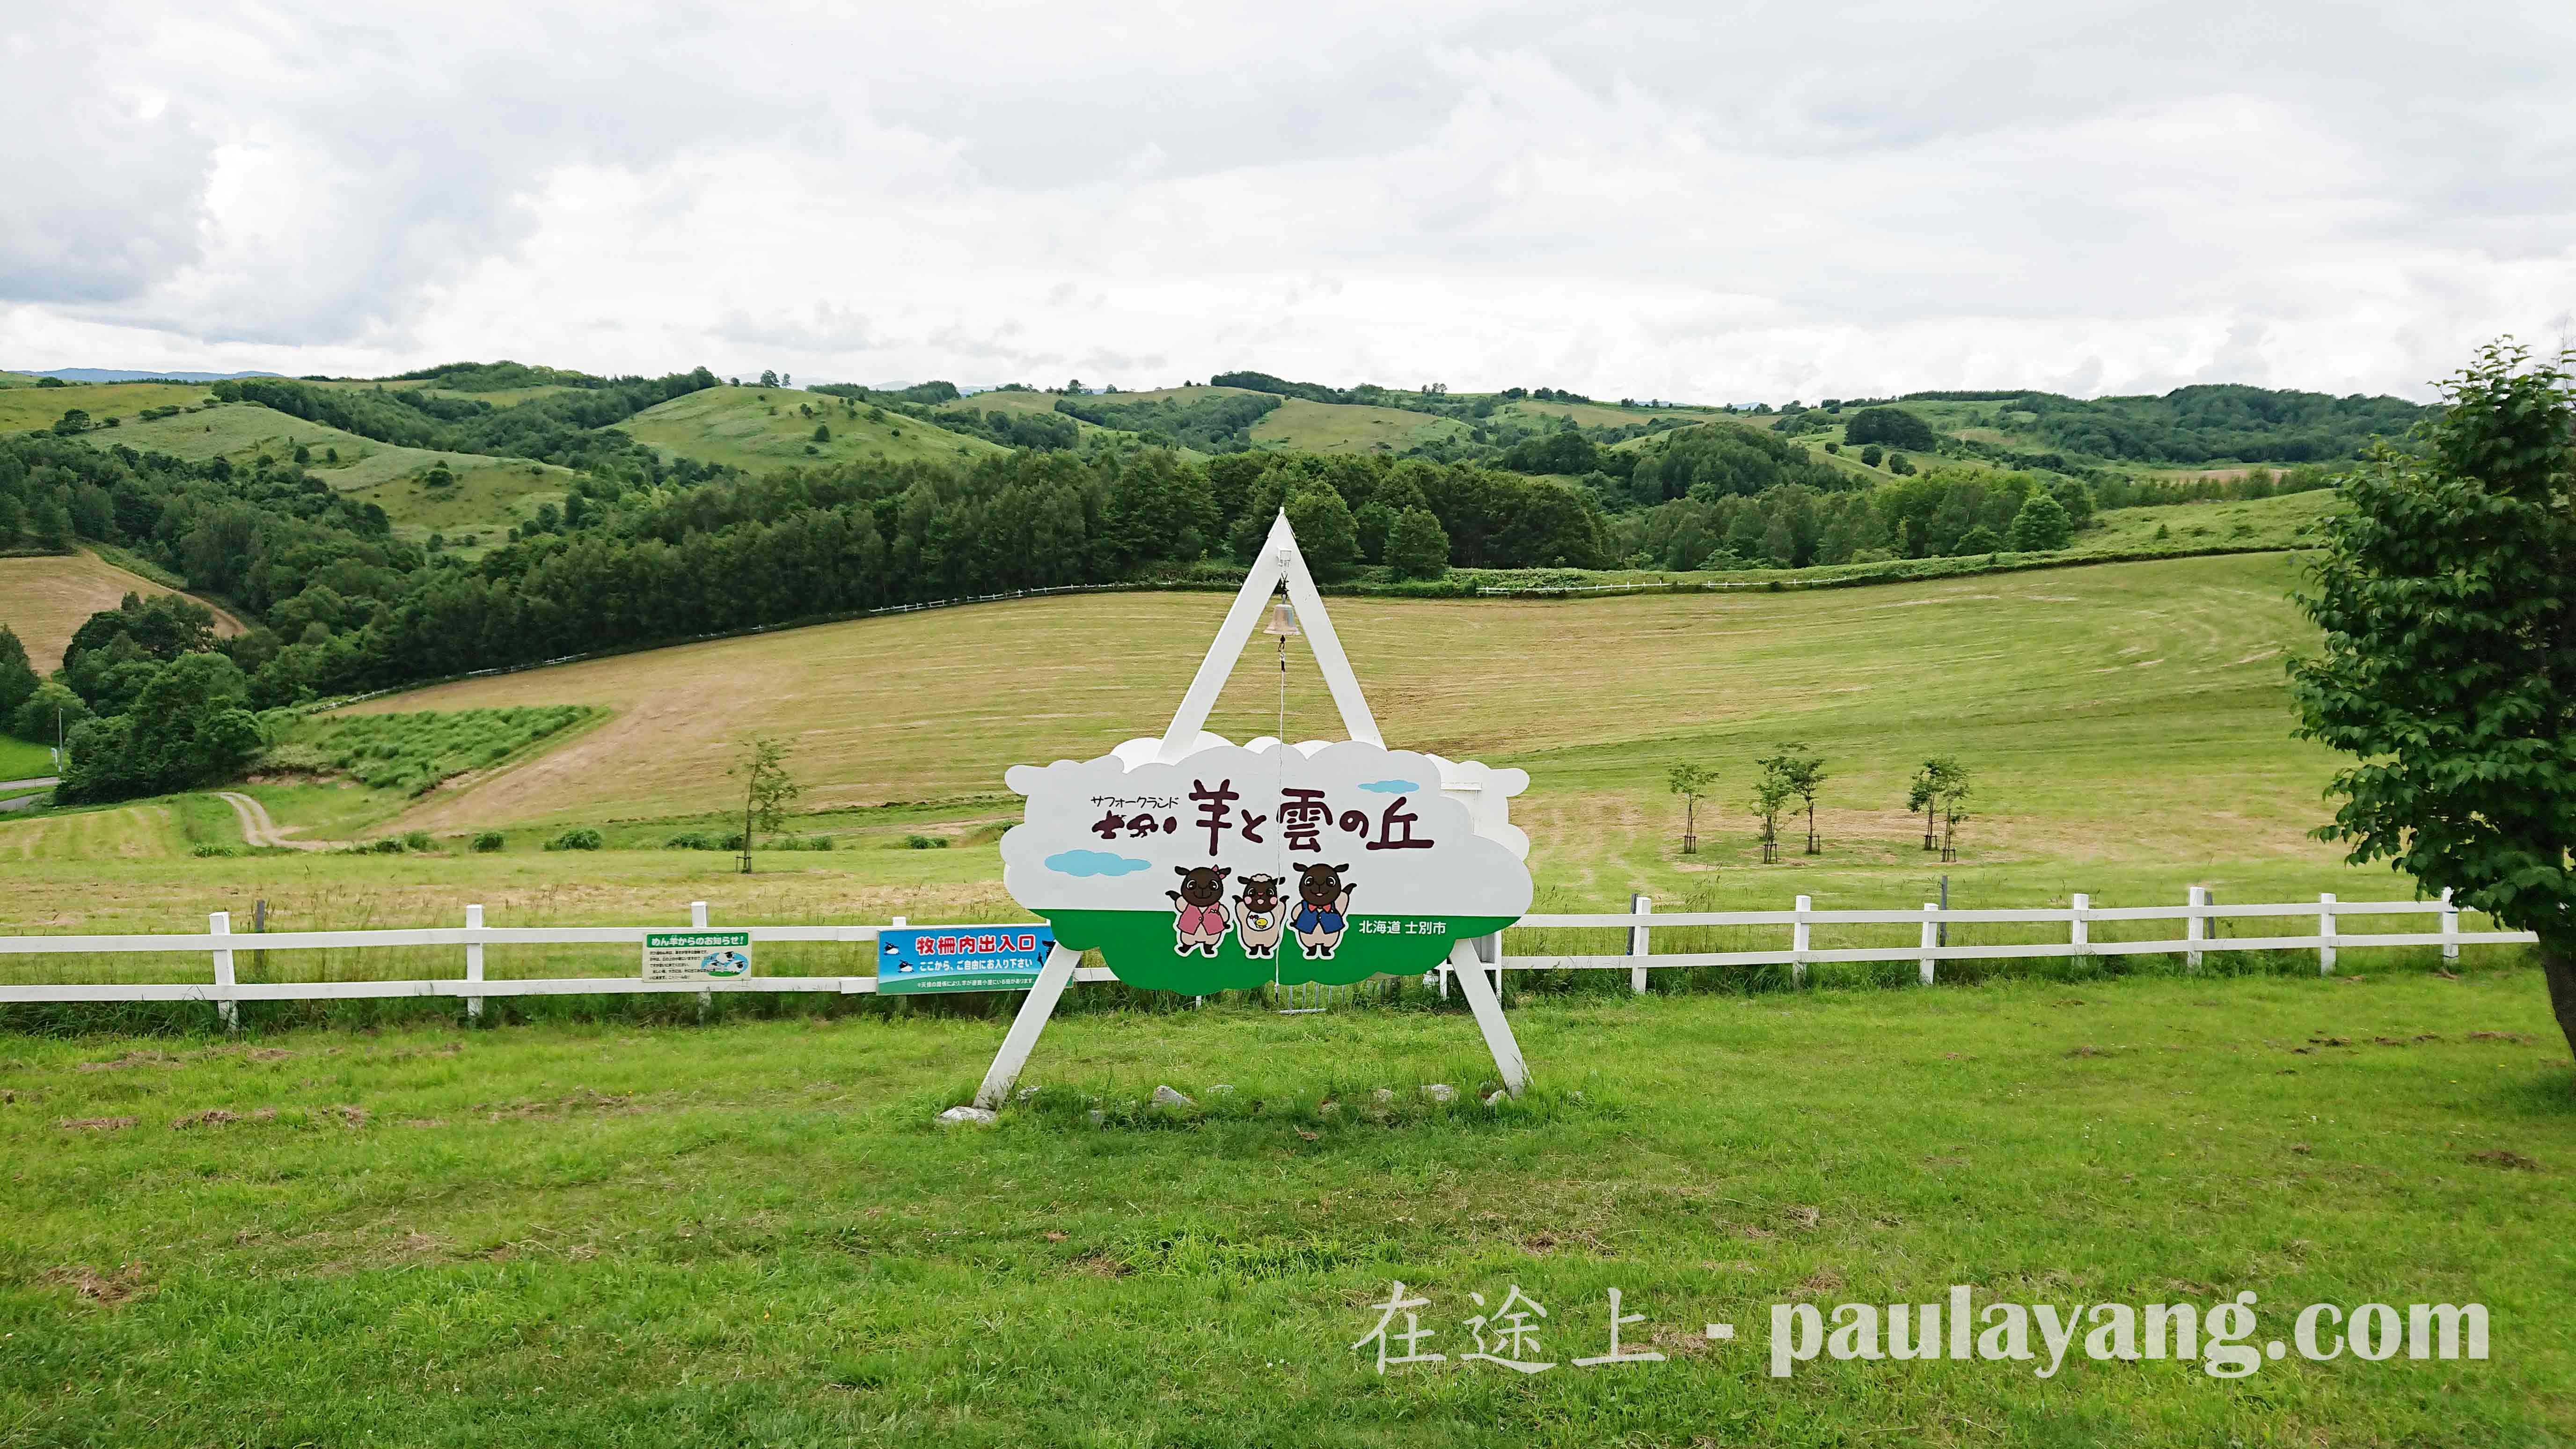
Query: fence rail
x=1798 y=952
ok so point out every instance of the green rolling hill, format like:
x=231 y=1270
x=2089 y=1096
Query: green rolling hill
x=758 y=429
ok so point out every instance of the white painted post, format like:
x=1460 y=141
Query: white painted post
x=2195 y=928
x=1798 y=942
x=2082 y=935
x=1488 y=1008
x=221 y=923
x=1638 y=905
x=2325 y=934
x=1023 y=1036
x=698 y=922
x=474 y=962
x=2450 y=928
x=1931 y=935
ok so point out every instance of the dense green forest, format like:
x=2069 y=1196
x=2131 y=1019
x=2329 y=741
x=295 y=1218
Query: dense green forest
x=1210 y=423
x=2199 y=424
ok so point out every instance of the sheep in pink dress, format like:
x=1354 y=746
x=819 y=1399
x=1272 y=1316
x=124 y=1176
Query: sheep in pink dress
x=1200 y=920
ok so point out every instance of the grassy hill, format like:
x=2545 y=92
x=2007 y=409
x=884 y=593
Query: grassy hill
x=1023 y=403
x=499 y=397
x=2081 y=695
x=26 y=408
x=490 y=495
x=759 y=429
x=45 y=598
x=1349 y=428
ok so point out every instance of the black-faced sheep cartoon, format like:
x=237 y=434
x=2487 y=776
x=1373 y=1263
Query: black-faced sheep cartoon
x=1323 y=901
x=1200 y=903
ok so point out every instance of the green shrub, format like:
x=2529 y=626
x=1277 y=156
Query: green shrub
x=414 y=752
x=390 y=845
x=489 y=841
x=689 y=840
x=580 y=837
x=418 y=840
x=925 y=842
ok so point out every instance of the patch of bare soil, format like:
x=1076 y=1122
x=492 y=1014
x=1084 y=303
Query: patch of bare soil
x=91 y=1286
x=95 y=1124
x=2511 y=1161
x=582 y=1099
x=145 y=1058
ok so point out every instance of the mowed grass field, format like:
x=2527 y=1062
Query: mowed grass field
x=2126 y=723
x=759 y=429
x=2080 y=694
x=752 y=1232
x=45 y=598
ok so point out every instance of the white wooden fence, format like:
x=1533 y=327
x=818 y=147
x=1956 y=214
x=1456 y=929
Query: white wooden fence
x=2077 y=920
x=1798 y=951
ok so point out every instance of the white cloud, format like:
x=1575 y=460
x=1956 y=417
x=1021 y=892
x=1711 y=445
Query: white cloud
x=1641 y=200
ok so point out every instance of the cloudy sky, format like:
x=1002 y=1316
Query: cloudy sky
x=1699 y=201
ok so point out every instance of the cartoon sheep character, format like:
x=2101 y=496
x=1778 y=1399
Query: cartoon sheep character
x=1260 y=918
x=1200 y=902
x=1322 y=903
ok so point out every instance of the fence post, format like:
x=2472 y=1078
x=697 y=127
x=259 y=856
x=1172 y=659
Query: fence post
x=226 y=1011
x=1799 y=938
x=698 y=922
x=2195 y=928
x=2081 y=936
x=2325 y=934
x=1931 y=936
x=2450 y=928
x=473 y=962
x=1638 y=905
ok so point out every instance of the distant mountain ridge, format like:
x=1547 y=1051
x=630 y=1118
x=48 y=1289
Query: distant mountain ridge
x=127 y=374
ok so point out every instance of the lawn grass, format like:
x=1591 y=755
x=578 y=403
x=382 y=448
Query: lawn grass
x=88 y=841
x=24 y=759
x=620 y=1233
x=44 y=598
x=759 y=430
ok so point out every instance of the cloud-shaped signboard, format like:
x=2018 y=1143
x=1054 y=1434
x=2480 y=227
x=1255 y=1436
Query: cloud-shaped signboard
x=1233 y=867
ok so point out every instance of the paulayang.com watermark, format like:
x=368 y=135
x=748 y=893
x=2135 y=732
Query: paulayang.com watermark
x=2225 y=1339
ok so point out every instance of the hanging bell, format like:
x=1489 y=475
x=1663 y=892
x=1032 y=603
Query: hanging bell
x=1283 y=620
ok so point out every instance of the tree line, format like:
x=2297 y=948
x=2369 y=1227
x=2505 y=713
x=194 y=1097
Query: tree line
x=1941 y=514
x=341 y=604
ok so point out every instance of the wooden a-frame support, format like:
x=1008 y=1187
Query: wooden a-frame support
x=1280 y=564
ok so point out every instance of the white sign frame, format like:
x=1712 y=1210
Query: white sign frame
x=1279 y=564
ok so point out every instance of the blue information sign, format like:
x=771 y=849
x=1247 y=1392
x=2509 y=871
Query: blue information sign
x=917 y=959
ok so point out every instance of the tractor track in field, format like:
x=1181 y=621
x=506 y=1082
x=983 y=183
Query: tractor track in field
x=258 y=829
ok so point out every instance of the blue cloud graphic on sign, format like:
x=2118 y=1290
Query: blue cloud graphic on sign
x=1094 y=862
x=1391 y=787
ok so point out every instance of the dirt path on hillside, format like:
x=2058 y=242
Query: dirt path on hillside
x=258 y=829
